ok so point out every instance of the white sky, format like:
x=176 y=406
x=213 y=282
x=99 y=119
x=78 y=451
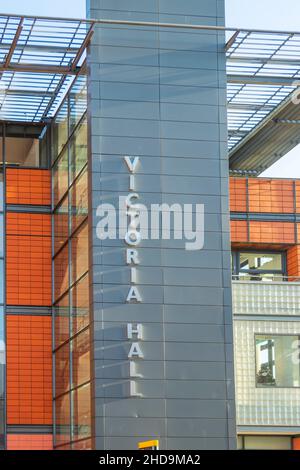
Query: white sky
x=261 y=14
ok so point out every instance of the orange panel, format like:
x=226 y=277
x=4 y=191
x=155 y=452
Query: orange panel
x=296 y=443
x=238 y=194
x=272 y=232
x=29 y=442
x=239 y=231
x=293 y=261
x=29 y=369
x=28 y=265
x=25 y=186
x=266 y=195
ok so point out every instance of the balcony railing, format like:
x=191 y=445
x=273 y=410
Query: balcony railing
x=272 y=297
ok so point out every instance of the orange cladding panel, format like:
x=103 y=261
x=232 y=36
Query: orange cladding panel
x=29 y=442
x=29 y=369
x=273 y=196
x=239 y=231
x=238 y=194
x=25 y=186
x=28 y=262
x=272 y=232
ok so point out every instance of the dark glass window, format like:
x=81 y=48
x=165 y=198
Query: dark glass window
x=277 y=361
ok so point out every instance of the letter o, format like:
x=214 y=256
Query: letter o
x=133 y=237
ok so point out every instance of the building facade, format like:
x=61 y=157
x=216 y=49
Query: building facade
x=111 y=339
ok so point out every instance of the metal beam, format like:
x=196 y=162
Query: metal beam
x=32 y=68
x=231 y=40
x=261 y=80
x=14 y=43
x=151 y=23
x=82 y=49
x=262 y=60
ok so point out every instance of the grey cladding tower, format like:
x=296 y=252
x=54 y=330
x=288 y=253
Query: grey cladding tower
x=162 y=330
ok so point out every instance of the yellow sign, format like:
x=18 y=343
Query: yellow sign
x=149 y=445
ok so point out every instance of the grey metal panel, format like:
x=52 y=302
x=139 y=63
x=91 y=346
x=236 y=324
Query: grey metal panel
x=147 y=6
x=192 y=370
x=191 y=7
x=196 y=443
x=164 y=101
x=129 y=73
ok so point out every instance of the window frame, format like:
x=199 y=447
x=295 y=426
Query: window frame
x=273 y=335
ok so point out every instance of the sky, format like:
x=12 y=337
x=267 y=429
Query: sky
x=257 y=14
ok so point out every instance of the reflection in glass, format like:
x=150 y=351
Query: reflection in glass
x=61 y=272
x=80 y=305
x=79 y=200
x=62 y=320
x=60 y=177
x=62 y=420
x=78 y=150
x=78 y=100
x=62 y=369
x=61 y=224
x=81 y=398
x=277 y=361
x=81 y=358
x=60 y=130
x=80 y=253
x=260 y=261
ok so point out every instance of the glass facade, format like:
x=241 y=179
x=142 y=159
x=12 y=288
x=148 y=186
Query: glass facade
x=72 y=395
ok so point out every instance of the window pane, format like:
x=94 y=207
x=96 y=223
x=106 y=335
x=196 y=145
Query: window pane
x=60 y=177
x=80 y=253
x=78 y=150
x=260 y=261
x=61 y=272
x=81 y=358
x=61 y=224
x=62 y=369
x=86 y=444
x=20 y=151
x=60 y=130
x=81 y=412
x=277 y=361
x=78 y=101
x=62 y=418
x=62 y=320
x=80 y=305
x=79 y=200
